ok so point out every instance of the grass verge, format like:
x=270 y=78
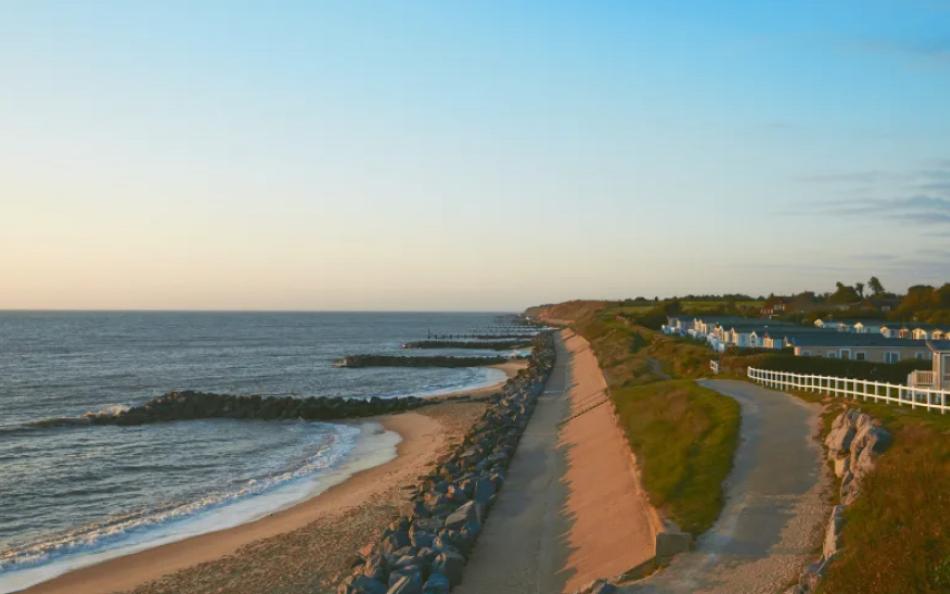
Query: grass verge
x=684 y=436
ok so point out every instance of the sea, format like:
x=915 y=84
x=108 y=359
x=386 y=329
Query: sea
x=72 y=494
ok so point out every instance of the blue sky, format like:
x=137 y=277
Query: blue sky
x=467 y=155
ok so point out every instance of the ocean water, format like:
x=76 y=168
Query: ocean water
x=73 y=495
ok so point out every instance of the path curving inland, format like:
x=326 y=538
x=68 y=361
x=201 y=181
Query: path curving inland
x=775 y=509
x=572 y=509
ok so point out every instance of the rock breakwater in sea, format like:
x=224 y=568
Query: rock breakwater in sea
x=421 y=361
x=495 y=345
x=189 y=405
x=425 y=552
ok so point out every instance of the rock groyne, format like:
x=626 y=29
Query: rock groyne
x=406 y=361
x=425 y=552
x=188 y=405
x=495 y=345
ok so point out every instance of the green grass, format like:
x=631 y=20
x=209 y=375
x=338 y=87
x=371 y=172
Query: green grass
x=897 y=533
x=896 y=538
x=684 y=435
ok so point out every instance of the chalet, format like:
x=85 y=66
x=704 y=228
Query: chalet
x=829 y=324
x=938 y=377
x=866 y=326
x=860 y=347
x=774 y=308
x=784 y=336
x=853 y=326
x=927 y=332
x=677 y=325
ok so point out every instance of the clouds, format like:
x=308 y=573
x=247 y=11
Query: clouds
x=919 y=209
x=920 y=197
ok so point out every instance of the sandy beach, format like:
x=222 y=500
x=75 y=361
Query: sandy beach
x=301 y=548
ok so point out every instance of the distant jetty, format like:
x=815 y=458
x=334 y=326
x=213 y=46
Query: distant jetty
x=477 y=336
x=496 y=345
x=433 y=361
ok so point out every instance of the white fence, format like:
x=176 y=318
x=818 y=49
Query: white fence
x=930 y=399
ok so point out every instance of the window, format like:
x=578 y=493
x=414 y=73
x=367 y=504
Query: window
x=860 y=356
x=892 y=357
x=832 y=355
x=919 y=356
x=845 y=353
x=806 y=353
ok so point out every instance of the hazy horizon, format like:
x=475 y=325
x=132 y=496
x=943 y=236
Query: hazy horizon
x=350 y=156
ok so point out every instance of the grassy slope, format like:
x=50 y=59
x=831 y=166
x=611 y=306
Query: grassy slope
x=684 y=435
x=897 y=534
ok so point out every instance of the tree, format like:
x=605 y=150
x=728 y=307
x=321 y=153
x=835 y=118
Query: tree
x=859 y=287
x=843 y=295
x=875 y=285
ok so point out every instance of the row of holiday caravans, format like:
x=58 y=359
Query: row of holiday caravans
x=914 y=331
x=722 y=333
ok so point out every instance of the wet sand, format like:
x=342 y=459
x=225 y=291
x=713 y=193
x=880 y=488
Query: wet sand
x=302 y=548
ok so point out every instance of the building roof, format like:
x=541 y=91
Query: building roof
x=939 y=345
x=866 y=323
x=846 y=340
x=915 y=326
x=760 y=328
x=800 y=331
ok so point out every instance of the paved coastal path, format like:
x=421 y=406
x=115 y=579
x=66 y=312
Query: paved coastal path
x=774 y=511
x=571 y=509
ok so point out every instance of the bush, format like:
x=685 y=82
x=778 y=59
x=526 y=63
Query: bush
x=895 y=373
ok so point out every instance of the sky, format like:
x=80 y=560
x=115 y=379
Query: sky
x=467 y=155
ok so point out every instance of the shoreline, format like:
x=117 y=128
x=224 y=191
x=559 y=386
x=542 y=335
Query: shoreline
x=424 y=433
x=510 y=369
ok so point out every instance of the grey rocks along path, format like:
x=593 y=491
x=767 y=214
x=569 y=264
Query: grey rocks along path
x=522 y=547
x=774 y=513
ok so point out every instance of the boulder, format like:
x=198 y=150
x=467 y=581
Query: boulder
x=420 y=538
x=466 y=515
x=450 y=565
x=842 y=465
x=360 y=584
x=407 y=582
x=832 y=542
x=376 y=568
x=839 y=440
x=484 y=491
x=437 y=583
